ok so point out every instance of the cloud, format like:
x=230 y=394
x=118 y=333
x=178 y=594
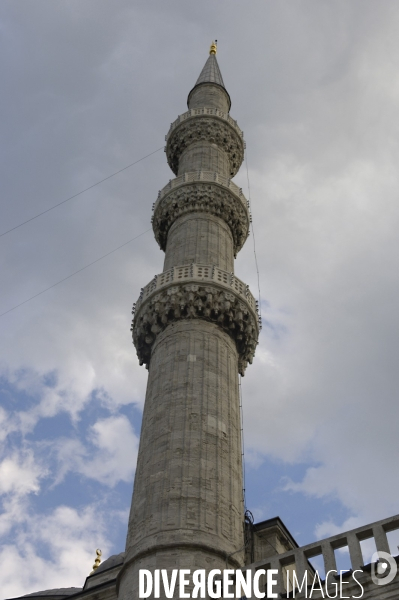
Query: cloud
x=69 y=538
x=330 y=385
x=109 y=457
x=117 y=451
x=20 y=474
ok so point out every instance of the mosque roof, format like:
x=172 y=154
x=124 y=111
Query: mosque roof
x=56 y=594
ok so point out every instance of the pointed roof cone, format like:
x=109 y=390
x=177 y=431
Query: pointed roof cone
x=211 y=73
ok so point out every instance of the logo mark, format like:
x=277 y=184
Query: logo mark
x=383 y=568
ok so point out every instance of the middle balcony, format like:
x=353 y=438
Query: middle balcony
x=196 y=292
x=202 y=191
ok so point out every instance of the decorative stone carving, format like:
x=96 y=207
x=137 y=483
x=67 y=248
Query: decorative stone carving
x=211 y=129
x=201 y=197
x=213 y=303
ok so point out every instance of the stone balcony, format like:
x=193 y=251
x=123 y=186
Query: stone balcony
x=211 y=176
x=193 y=112
x=202 y=191
x=197 y=291
x=296 y=561
x=198 y=273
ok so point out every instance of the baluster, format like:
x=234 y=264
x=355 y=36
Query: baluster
x=355 y=551
x=381 y=540
x=279 y=588
x=301 y=565
x=252 y=570
x=330 y=564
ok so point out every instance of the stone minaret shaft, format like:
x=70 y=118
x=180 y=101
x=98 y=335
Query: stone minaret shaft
x=196 y=328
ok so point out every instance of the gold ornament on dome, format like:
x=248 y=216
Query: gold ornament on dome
x=97 y=561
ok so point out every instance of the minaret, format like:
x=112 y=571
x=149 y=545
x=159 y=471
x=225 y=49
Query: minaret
x=195 y=327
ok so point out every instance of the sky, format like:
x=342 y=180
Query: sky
x=91 y=86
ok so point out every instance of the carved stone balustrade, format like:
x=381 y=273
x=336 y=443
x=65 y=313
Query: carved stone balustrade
x=204 y=111
x=200 y=292
x=202 y=176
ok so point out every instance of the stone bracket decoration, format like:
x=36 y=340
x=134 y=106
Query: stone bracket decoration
x=212 y=198
x=211 y=129
x=196 y=300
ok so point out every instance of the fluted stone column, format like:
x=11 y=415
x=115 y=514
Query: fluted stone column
x=195 y=327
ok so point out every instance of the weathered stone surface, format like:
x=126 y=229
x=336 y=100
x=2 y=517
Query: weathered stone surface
x=188 y=502
x=203 y=156
x=199 y=236
x=208 y=94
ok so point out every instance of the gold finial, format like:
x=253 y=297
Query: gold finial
x=97 y=561
x=214 y=47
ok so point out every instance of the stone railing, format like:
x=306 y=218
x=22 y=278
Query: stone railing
x=298 y=559
x=197 y=292
x=198 y=273
x=202 y=176
x=193 y=112
x=195 y=176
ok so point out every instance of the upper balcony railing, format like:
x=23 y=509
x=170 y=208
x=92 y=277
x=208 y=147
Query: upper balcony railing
x=193 y=112
x=202 y=176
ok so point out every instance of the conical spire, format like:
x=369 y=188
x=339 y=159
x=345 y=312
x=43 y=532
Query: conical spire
x=211 y=72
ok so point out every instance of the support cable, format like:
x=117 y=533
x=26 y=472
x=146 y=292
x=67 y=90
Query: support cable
x=242 y=442
x=259 y=306
x=79 y=193
x=72 y=274
x=253 y=237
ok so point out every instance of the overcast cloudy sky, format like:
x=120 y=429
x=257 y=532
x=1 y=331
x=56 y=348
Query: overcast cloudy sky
x=90 y=86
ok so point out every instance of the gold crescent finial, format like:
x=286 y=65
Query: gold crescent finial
x=214 y=48
x=97 y=561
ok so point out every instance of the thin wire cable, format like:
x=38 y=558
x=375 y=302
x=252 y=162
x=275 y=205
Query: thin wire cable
x=72 y=274
x=79 y=193
x=242 y=443
x=253 y=237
